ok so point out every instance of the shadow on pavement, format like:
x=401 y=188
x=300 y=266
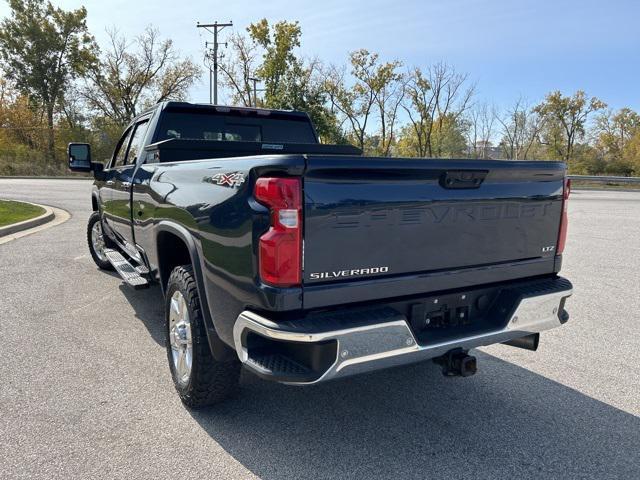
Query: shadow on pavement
x=148 y=306
x=411 y=422
x=506 y=422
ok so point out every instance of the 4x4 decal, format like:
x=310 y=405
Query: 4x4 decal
x=231 y=179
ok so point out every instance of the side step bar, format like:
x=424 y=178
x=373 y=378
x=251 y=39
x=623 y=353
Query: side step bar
x=132 y=276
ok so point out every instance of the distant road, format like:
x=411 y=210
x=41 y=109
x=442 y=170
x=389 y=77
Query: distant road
x=86 y=391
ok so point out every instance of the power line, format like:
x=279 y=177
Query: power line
x=214 y=28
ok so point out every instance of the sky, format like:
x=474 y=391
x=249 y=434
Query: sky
x=510 y=48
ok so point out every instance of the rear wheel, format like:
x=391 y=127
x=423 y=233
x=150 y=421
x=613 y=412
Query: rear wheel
x=98 y=242
x=199 y=378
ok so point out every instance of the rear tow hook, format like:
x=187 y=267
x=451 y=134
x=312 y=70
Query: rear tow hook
x=457 y=363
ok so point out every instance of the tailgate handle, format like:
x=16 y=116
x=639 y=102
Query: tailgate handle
x=457 y=179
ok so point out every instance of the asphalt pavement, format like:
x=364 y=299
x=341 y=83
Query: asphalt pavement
x=85 y=390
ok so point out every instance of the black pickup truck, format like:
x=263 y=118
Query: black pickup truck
x=307 y=262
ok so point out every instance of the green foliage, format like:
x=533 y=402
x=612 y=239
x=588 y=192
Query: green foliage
x=448 y=139
x=289 y=82
x=565 y=119
x=371 y=96
x=407 y=144
x=587 y=161
x=278 y=59
x=615 y=130
x=436 y=100
x=42 y=48
x=631 y=153
x=302 y=90
x=420 y=106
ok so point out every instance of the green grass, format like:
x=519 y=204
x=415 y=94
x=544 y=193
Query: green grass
x=14 y=212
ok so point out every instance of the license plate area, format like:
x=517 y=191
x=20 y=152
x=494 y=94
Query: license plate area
x=439 y=317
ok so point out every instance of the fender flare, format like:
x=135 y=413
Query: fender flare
x=219 y=349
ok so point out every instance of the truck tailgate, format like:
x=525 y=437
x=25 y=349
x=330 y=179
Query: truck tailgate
x=367 y=218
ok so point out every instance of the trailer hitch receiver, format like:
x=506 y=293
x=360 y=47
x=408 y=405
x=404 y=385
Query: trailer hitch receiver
x=457 y=363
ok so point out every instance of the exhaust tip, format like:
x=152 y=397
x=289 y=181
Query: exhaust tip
x=528 y=342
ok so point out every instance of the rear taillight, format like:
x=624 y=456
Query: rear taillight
x=280 y=250
x=562 y=236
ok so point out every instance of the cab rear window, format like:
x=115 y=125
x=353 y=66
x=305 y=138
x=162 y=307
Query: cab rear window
x=216 y=127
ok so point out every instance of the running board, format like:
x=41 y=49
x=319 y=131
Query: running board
x=131 y=275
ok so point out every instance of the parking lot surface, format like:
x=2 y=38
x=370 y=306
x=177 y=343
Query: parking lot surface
x=86 y=391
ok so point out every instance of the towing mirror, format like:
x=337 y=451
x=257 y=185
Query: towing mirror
x=79 y=157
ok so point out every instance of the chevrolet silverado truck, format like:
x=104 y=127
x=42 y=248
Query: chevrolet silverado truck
x=306 y=262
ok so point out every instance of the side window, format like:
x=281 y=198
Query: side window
x=136 y=141
x=120 y=154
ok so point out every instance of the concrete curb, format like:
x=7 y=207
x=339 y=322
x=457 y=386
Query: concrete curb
x=47 y=216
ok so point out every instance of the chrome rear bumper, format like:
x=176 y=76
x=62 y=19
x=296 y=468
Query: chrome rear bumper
x=387 y=341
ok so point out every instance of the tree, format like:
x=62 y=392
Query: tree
x=278 y=59
x=303 y=90
x=354 y=105
x=124 y=82
x=290 y=82
x=389 y=85
x=521 y=127
x=565 y=119
x=587 y=160
x=631 y=153
x=614 y=131
x=420 y=109
x=480 y=121
x=407 y=142
x=20 y=122
x=238 y=67
x=378 y=88
x=448 y=136
x=42 y=48
x=437 y=95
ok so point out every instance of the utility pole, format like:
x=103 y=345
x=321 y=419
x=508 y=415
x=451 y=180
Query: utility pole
x=214 y=28
x=255 y=80
x=208 y=64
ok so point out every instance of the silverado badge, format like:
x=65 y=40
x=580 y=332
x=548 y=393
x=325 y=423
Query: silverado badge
x=231 y=179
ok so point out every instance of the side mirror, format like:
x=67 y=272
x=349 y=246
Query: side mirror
x=79 y=157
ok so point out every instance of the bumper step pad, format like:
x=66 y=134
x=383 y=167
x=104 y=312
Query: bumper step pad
x=130 y=274
x=276 y=365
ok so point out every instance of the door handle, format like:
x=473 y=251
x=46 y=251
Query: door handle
x=461 y=179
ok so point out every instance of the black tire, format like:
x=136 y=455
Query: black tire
x=210 y=381
x=102 y=263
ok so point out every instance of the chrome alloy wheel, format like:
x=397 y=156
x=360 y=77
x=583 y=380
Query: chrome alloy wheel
x=97 y=241
x=180 y=337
